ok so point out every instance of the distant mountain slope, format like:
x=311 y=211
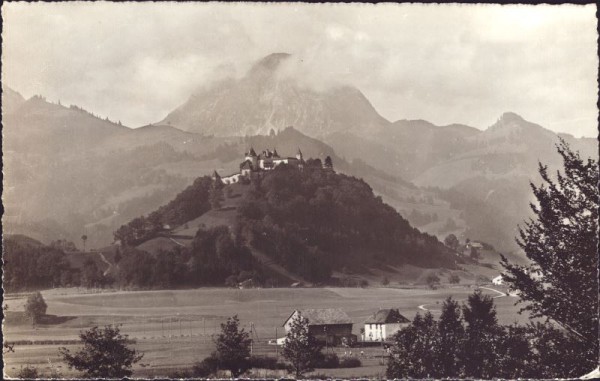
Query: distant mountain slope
x=264 y=100
x=11 y=100
x=99 y=174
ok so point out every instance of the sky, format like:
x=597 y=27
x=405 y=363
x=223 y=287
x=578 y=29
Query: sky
x=468 y=64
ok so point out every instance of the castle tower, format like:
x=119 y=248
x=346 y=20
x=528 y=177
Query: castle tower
x=328 y=164
x=252 y=157
x=299 y=155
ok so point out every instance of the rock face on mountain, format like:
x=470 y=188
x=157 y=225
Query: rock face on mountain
x=264 y=100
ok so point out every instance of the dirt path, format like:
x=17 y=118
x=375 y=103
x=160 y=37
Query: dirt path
x=177 y=243
x=110 y=265
x=500 y=295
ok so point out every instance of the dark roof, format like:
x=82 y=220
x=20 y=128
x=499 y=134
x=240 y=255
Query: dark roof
x=386 y=316
x=325 y=316
x=246 y=165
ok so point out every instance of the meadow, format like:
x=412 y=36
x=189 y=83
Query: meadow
x=174 y=327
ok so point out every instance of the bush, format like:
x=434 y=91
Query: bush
x=206 y=367
x=28 y=372
x=433 y=281
x=266 y=362
x=350 y=362
x=180 y=374
x=327 y=361
x=454 y=279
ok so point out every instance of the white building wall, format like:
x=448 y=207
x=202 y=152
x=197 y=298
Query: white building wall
x=378 y=332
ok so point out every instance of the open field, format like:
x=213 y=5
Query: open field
x=174 y=328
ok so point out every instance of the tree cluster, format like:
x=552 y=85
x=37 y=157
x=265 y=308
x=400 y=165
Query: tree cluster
x=468 y=342
x=35 y=267
x=191 y=203
x=213 y=259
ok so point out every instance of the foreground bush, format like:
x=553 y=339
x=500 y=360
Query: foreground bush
x=206 y=367
x=327 y=361
x=350 y=362
x=266 y=362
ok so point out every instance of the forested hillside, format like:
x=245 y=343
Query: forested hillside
x=313 y=221
x=310 y=222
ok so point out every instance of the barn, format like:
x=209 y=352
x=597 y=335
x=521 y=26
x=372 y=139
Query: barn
x=328 y=325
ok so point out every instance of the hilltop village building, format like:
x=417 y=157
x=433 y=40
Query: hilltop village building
x=383 y=325
x=266 y=161
x=330 y=325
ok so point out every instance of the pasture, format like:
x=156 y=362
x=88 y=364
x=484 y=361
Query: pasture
x=174 y=327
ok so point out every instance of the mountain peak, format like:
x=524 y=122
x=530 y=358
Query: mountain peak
x=509 y=117
x=270 y=62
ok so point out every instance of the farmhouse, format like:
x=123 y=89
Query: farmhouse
x=498 y=281
x=383 y=324
x=266 y=161
x=330 y=325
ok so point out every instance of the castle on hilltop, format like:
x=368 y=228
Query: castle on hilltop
x=266 y=161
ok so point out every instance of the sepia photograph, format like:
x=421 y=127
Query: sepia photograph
x=288 y=190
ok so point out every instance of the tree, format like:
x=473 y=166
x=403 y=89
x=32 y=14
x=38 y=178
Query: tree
x=35 y=307
x=105 y=354
x=216 y=196
x=300 y=348
x=474 y=253
x=385 y=281
x=412 y=350
x=454 y=279
x=481 y=336
x=451 y=241
x=561 y=243
x=233 y=347
x=433 y=281
x=451 y=340
x=84 y=239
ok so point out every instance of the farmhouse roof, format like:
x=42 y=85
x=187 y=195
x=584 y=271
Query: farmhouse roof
x=386 y=316
x=324 y=316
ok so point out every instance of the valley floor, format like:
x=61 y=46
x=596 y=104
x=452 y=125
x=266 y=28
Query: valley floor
x=174 y=327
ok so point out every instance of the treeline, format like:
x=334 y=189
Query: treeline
x=469 y=343
x=315 y=220
x=191 y=203
x=214 y=259
x=29 y=267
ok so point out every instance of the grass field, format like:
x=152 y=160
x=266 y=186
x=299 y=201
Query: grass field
x=174 y=328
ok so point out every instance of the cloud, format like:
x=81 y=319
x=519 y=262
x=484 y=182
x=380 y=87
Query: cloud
x=444 y=63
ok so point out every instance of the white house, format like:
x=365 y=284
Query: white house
x=498 y=281
x=383 y=325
